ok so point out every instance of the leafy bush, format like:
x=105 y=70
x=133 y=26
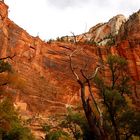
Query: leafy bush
x=56 y=135
x=76 y=124
x=10 y=126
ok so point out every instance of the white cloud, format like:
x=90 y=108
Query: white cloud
x=66 y=3
x=52 y=18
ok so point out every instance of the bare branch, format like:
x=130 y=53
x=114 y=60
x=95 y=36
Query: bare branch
x=10 y=57
x=65 y=47
x=86 y=81
x=71 y=66
x=95 y=73
x=72 y=69
x=95 y=103
x=92 y=95
x=74 y=37
x=4 y=84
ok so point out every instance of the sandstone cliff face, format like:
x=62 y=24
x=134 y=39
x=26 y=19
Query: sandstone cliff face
x=49 y=85
x=131 y=29
x=102 y=32
x=110 y=28
x=128 y=40
x=37 y=64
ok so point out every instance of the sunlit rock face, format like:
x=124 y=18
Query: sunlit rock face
x=111 y=28
x=102 y=32
x=47 y=83
x=48 y=86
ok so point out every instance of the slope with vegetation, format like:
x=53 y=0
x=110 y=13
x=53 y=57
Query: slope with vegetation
x=93 y=76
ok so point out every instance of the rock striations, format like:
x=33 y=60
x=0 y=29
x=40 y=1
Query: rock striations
x=44 y=66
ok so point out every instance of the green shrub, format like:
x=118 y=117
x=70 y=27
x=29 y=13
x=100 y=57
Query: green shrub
x=56 y=135
x=4 y=66
x=10 y=125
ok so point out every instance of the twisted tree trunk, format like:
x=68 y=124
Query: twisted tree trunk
x=91 y=118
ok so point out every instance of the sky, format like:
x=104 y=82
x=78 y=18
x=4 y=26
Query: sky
x=50 y=19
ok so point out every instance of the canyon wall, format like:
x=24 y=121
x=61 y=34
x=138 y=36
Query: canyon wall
x=48 y=85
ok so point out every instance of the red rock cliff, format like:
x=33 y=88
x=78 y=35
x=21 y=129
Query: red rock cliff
x=44 y=67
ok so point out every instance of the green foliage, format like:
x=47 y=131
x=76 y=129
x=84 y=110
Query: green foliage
x=76 y=124
x=54 y=132
x=130 y=120
x=4 y=79
x=120 y=119
x=4 y=66
x=56 y=135
x=110 y=38
x=72 y=122
x=116 y=63
x=60 y=39
x=19 y=133
x=50 y=41
x=10 y=126
x=91 y=42
x=8 y=114
x=73 y=126
x=111 y=42
x=46 y=128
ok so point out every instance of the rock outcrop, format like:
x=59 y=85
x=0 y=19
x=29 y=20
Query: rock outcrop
x=130 y=30
x=101 y=33
x=48 y=84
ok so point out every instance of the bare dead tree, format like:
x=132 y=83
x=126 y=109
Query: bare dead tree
x=95 y=129
x=74 y=38
x=78 y=40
